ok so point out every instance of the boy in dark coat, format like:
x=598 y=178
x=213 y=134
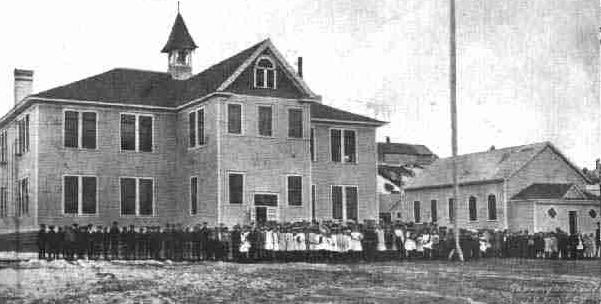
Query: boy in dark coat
x=42 y=241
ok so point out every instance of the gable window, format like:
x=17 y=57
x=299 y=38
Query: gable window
x=295 y=190
x=344 y=202
x=312 y=145
x=473 y=209
x=137 y=196
x=346 y=148
x=451 y=209
x=417 y=212
x=193 y=195
x=265 y=73
x=236 y=185
x=136 y=132
x=234 y=118
x=295 y=123
x=265 y=121
x=196 y=128
x=492 y=207
x=80 y=129
x=3 y=202
x=22 y=197
x=3 y=147
x=23 y=135
x=79 y=194
x=434 y=211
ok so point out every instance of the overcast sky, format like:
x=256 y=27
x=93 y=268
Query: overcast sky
x=528 y=70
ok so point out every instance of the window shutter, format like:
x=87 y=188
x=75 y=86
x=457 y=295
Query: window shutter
x=128 y=196
x=89 y=130
x=145 y=134
x=71 y=129
x=71 y=193
x=201 y=127
x=349 y=146
x=335 y=145
x=192 y=129
x=337 y=202
x=128 y=132
x=89 y=195
x=146 y=196
x=194 y=195
x=351 y=203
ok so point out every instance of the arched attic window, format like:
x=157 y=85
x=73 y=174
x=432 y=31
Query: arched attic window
x=265 y=73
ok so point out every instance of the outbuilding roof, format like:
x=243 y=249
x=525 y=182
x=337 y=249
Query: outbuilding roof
x=402 y=148
x=554 y=191
x=491 y=165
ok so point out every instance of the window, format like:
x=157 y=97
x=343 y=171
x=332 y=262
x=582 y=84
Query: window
x=269 y=200
x=23 y=197
x=416 y=212
x=398 y=215
x=473 y=209
x=492 y=207
x=312 y=145
x=295 y=123
x=196 y=128
x=234 y=118
x=349 y=146
x=79 y=194
x=3 y=202
x=3 y=146
x=136 y=132
x=236 y=183
x=23 y=135
x=451 y=209
x=137 y=196
x=344 y=203
x=80 y=129
x=265 y=73
x=193 y=195
x=295 y=190
x=265 y=121
x=434 y=211
x=348 y=149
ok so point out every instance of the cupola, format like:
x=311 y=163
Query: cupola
x=179 y=49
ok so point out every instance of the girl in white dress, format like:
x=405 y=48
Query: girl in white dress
x=355 y=244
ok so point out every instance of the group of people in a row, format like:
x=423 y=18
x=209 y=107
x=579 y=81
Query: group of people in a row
x=305 y=241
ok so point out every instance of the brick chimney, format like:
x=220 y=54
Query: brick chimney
x=299 y=69
x=387 y=139
x=23 y=84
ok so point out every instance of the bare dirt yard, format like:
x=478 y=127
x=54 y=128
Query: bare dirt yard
x=483 y=281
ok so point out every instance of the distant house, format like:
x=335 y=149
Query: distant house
x=404 y=154
x=531 y=187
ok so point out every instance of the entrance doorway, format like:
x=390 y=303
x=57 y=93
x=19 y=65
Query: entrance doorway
x=261 y=215
x=573 y=222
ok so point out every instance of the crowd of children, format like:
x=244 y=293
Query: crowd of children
x=304 y=241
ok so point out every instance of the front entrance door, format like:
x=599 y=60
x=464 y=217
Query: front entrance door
x=573 y=222
x=261 y=215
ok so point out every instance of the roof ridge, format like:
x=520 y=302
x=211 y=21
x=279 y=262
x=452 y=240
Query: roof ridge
x=545 y=143
x=137 y=70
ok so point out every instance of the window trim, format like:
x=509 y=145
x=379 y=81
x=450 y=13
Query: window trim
x=80 y=196
x=190 y=190
x=488 y=208
x=344 y=186
x=227 y=117
x=288 y=189
x=273 y=120
x=229 y=203
x=80 y=128
x=197 y=137
x=137 y=132
x=302 y=110
x=342 y=149
x=154 y=198
x=274 y=69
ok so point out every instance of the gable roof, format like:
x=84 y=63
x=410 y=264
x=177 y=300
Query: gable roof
x=402 y=148
x=323 y=112
x=492 y=165
x=554 y=191
x=180 y=38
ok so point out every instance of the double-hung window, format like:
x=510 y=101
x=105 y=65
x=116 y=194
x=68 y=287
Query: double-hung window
x=236 y=188
x=23 y=135
x=80 y=129
x=136 y=132
x=137 y=196
x=265 y=121
x=344 y=203
x=295 y=123
x=22 y=207
x=295 y=190
x=234 y=118
x=193 y=195
x=79 y=195
x=196 y=128
x=343 y=145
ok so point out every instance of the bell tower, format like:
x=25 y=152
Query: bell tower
x=179 y=49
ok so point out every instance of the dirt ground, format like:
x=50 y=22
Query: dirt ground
x=484 y=281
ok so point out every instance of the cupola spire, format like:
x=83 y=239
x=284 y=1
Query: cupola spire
x=179 y=48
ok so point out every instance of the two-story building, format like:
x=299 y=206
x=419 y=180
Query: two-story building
x=531 y=187
x=244 y=140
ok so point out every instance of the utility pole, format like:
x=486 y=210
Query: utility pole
x=453 y=91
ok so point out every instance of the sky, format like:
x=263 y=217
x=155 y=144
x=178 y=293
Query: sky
x=528 y=70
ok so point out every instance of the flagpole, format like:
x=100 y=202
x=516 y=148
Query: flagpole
x=453 y=93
